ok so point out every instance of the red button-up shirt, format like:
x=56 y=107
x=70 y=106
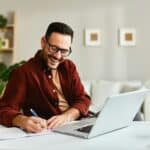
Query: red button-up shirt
x=31 y=86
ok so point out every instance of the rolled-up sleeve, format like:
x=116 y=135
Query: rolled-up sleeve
x=80 y=99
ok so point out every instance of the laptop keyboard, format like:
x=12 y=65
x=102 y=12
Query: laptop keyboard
x=86 y=129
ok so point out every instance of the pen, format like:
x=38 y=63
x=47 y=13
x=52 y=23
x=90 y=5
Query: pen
x=33 y=112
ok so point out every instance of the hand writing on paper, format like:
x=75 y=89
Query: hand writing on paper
x=30 y=124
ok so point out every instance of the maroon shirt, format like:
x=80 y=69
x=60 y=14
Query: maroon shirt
x=31 y=86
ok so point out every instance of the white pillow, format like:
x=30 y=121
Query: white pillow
x=147 y=84
x=100 y=91
x=128 y=86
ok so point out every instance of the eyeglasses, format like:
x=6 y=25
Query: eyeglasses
x=55 y=49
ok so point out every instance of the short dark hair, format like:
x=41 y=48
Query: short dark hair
x=59 y=27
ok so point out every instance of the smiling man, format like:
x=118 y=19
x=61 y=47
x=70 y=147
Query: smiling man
x=48 y=84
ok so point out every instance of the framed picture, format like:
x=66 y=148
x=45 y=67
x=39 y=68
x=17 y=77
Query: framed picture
x=127 y=37
x=92 y=37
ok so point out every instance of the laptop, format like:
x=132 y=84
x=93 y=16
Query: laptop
x=118 y=112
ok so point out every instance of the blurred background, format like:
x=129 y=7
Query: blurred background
x=108 y=61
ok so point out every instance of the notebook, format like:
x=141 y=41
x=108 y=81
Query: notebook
x=117 y=113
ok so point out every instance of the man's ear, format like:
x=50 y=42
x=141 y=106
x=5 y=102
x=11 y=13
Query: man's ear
x=43 y=42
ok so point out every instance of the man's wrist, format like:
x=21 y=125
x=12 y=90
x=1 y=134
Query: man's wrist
x=18 y=120
x=72 y=114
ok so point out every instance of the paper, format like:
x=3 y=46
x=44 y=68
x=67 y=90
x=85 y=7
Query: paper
x=14 y=132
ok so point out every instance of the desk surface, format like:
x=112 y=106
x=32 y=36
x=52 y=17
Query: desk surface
x=135 y=137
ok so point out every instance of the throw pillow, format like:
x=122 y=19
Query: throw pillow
x=100 y=91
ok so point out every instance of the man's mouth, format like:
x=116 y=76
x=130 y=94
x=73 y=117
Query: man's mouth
x=53 y=60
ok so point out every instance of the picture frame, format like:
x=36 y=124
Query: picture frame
x=92 y=37
x=127 y=37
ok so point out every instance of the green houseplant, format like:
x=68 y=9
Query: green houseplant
x=3 y=21
x=5 y=73
x=2 y=84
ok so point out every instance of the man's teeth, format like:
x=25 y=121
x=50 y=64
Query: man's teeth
x=53 y=59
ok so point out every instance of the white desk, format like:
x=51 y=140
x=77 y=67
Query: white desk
x=135 y=137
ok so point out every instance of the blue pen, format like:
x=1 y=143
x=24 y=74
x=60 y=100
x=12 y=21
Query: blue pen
x=33 y=112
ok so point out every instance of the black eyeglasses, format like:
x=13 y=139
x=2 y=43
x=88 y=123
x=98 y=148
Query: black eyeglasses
x=55 y=49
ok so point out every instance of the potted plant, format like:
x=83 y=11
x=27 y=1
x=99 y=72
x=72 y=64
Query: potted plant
x=5 y=73
x=3 y=21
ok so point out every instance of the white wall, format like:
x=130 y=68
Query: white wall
x=109 y=61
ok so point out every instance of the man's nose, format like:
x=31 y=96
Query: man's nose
x=58 y=54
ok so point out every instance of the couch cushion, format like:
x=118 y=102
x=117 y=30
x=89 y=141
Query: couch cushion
x=128 y=86
x=100 y=91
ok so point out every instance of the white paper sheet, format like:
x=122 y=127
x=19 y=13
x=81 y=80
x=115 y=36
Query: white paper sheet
x=14 y=132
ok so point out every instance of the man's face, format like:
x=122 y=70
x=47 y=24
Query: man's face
x=54 y=49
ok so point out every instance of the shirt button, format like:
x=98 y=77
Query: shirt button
x=54 y=90
x=49 y=76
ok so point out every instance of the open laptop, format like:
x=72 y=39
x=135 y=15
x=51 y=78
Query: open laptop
x=118 y=112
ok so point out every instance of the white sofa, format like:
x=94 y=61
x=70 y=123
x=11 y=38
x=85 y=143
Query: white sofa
x=146 y=106
x=100 y=90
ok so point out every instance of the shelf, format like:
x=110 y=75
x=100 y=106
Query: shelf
x=7 y=28
x=6 y=50
x=8 y=39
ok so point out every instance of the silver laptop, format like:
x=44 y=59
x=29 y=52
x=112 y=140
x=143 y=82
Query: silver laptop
x=118 y=112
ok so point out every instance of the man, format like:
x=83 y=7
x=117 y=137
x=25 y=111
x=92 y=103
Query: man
x=48 y=84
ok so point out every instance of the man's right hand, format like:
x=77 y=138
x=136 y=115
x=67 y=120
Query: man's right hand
x=30 y=124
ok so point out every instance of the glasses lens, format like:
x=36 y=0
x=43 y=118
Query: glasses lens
x=55 y=49
x=65 y=52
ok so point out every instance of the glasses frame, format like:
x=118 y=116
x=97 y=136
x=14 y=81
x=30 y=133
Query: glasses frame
x=55 y=49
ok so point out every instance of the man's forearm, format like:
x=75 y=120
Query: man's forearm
x=72 y=114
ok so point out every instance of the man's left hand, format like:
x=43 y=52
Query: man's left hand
x=59 y=120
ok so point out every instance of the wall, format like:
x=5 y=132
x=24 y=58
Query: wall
x=108 y=61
